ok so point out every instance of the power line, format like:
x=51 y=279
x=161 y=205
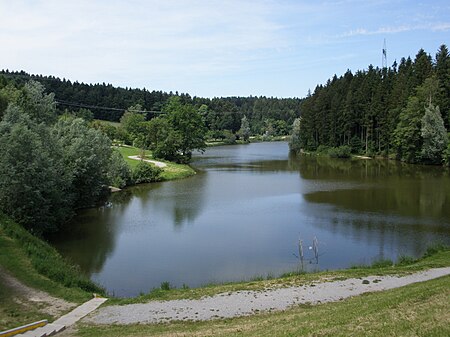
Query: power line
x=87 y=106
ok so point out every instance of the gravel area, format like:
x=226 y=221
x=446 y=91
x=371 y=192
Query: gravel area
x=243 y=303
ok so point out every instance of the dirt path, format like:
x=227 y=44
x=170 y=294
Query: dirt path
x=242 y=303
x=155 y=162
x=27 y=296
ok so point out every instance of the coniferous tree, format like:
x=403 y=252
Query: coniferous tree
x=443 y=75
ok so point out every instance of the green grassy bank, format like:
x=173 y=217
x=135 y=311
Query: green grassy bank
x=421 y=309
x=170 y=172
x=37 y=265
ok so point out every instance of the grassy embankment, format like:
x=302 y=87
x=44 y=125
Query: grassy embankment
x=421 y=309
x=170 y=172
x=37 y=265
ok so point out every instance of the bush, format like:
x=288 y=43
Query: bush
x=146 y=173
x=322 y=149
x=435 y=248
x=228 y=137
x=405 y=260
x=382 y=263
x=166 y=286
x=119 y=173
x=340 y=152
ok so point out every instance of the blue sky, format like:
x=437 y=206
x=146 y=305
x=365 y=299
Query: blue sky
x=215 y=48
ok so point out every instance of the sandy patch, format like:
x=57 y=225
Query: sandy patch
x=25 y=295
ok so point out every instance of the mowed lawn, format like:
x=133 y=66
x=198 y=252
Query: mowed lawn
x=170 y=172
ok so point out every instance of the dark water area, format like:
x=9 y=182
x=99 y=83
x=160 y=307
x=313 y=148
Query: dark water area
x=244 y=212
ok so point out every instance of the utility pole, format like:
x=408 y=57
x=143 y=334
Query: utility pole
x=384 y=56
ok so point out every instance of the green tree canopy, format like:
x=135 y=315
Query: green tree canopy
x=434 y=135
x=133 y=120
x=33 y=183
x=86 y=156
x=245 y=129
x=295 y=141
x=37 y=104
x=188 y=127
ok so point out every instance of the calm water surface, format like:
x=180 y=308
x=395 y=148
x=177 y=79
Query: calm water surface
x=243 y=213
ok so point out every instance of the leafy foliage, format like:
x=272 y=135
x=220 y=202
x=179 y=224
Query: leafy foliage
x=85 y=157
x=119 y=173
x=49 y=166
x=245 y=129
x=146 y=173
x=434 y=135
x=33 y=184
x=295 y=142
x=188 y=125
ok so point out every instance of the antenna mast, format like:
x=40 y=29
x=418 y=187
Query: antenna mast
x=384 y=56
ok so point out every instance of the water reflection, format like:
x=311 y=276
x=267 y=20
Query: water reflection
x=243 y=213
x=380 y=186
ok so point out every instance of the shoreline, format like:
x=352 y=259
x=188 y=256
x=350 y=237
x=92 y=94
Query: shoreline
x=244 y=303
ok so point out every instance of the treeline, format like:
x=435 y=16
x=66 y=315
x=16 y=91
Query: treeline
x=52 y=164
x=400 y=111
x=266 y=115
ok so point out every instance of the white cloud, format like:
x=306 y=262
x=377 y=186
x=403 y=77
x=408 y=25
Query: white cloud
x=396 y=29
x=189 y=45
x=160 y=36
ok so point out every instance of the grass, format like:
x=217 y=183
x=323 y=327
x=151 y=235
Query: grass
x=170 y=172
x=439 y=258
x=37 y=265
x=420 y=309
x=14 y=314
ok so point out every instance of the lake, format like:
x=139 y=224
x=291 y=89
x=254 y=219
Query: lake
x=242 y=215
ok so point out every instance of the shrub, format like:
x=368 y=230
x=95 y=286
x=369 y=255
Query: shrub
x=165 y=285
x=382 y=263
x=340 y=152
x=435 y=248
x=322 y=149
x=405 y=260
x=146 y=173
x=119 y=173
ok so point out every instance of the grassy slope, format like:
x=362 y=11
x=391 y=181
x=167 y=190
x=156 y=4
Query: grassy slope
x=421 y=309
x=39 y=266
x=172 y=171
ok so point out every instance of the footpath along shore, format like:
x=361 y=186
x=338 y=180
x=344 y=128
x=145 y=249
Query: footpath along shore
x=243 y=303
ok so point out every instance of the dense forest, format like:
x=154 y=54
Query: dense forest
x=265 y=114
x=401 y=111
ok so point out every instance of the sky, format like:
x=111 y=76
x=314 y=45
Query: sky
x=215 y=48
